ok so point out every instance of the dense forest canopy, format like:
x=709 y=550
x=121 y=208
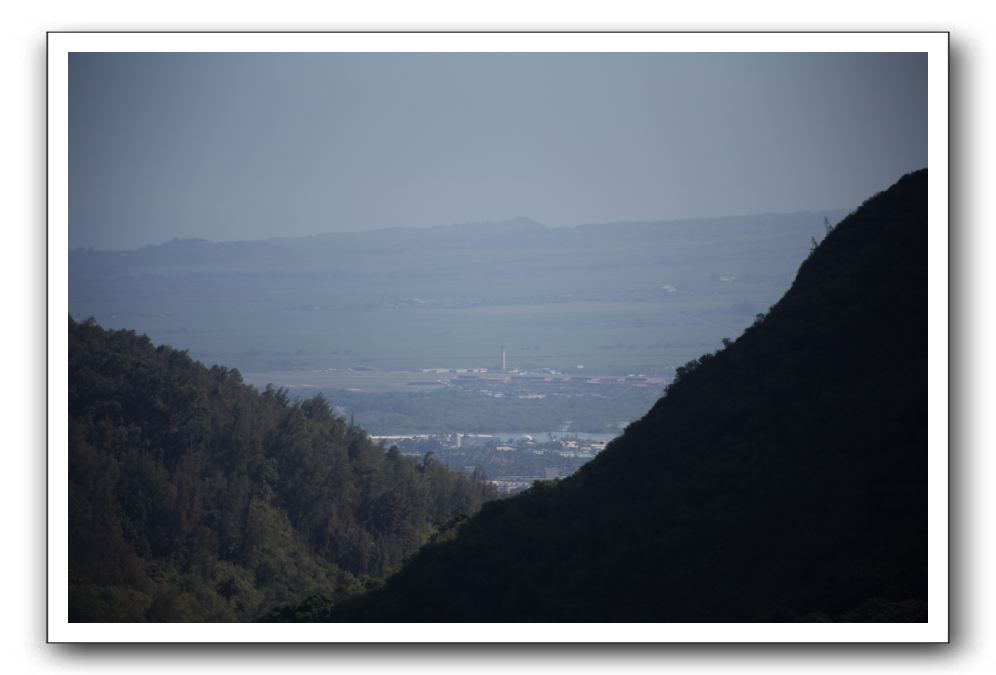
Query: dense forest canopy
x=781 y=478
x=194 y=497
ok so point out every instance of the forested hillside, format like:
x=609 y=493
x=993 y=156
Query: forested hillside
x=193 y=497
x=781 y=478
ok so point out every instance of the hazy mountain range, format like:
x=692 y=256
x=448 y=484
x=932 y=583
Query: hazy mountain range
x=615 y=297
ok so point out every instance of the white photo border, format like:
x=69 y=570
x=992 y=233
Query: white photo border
x=934 y=44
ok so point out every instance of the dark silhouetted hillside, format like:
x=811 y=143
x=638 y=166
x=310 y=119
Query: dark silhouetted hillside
x=193 y=497
x=782 y=478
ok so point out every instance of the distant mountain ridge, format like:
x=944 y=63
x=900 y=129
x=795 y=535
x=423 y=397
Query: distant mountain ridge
x=517 y=225
x=782 y=478
x=237 y=303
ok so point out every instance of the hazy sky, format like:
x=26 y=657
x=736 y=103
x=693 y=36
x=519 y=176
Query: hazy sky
x=249 y=146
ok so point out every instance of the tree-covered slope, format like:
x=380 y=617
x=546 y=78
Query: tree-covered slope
x=782 y=478
x=193 y=497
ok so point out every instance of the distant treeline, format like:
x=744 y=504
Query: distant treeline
x=193 y=497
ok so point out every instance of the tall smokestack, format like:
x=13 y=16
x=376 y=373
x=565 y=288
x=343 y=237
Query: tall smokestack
x=504 y=364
